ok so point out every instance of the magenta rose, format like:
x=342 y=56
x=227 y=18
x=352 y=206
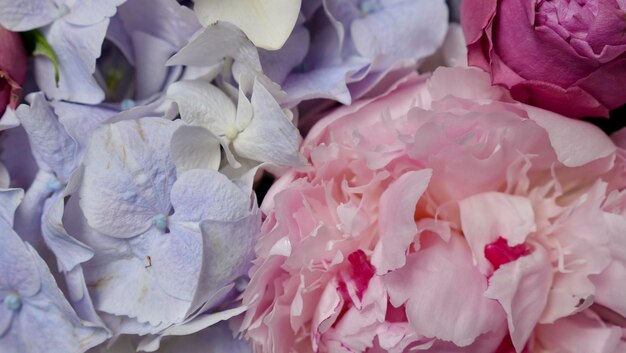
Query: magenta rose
x=567 y=56
x=12 y=69
x=444 y=217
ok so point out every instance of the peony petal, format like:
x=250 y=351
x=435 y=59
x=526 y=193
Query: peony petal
x=575 y=142
x=454 y=293
x=582 y=333
x=268 y=23
x=487 y=216
x=396 y=225
x=475 y=17
x=522 y=288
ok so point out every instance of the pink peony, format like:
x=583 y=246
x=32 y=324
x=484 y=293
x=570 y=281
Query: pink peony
x=442 y=217
x=568 y=56
x=12 y=69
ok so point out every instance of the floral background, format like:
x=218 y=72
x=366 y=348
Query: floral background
x=313 y=176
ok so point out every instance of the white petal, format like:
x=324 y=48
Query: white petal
x=194 y=147
x=270 y=137
x=200 y=103
x=215 y=43
x=268 y=23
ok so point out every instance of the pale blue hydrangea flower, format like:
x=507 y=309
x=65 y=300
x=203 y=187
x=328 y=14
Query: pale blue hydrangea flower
x=133 y=69
x=166 y=248
x=339 y=49
x=353 y=44
x=34 y=315
x=75 y=30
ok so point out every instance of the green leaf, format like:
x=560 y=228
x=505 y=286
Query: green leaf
x=37 y=44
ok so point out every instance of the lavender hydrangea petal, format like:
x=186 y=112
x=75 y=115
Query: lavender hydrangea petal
x=411 y=29
x=89 y=12
x=205 y=194
x=229 y=248
x=68 y=251
x=123 y=282
x=278 y=64
x=327 y=82
x=45 y=318
x=176 y=259
x=24 y=15
x=151 y=53
x=54 y=150
x=128 y=175
x=77 y=48
x=164 y=19
x=9 y=201
x=80 y=121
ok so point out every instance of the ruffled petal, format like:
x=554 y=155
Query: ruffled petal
x=396 y=220
x=454 y=293
x=522 y=288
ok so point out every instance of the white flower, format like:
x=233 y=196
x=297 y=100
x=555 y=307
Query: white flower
x=268 y=23
x=257 y=129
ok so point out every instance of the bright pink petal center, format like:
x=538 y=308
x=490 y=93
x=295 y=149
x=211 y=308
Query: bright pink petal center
x=360 y=273
x=499 y=252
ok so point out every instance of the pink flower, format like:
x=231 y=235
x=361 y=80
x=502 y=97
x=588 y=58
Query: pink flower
x=568 y=56
x=442 y=216
x=12 y=69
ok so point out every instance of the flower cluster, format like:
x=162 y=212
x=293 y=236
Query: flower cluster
x=312 y=176
x=444 y=217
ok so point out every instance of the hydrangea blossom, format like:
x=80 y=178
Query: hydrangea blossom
x=167 y=246
x=75 y=30
x=133 y=70
x=34 y=314
x=338 y=49
x=345 y=47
